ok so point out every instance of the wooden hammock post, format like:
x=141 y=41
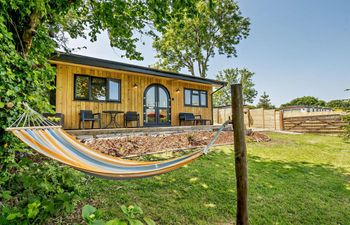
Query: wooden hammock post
x=240 y=154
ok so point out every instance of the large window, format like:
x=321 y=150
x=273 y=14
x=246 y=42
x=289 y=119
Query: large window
x=81 y=87
x=96 y=88
x=196 y=98
x=114 y=90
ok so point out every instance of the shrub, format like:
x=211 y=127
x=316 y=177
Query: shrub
x=38 y=189
x=132 y=215
x=347 y=128
x=31 y=188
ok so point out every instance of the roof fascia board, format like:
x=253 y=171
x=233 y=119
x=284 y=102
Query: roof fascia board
x=85 y=60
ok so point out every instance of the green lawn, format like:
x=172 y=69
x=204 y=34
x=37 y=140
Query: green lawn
x=295 y=179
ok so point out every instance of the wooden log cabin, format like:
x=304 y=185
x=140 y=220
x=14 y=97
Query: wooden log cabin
x=86 y=83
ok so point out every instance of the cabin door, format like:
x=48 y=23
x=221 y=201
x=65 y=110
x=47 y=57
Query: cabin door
x=156 y=106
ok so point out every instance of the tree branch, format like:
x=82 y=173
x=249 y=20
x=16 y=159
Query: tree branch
x=30 y=31
x=17 y=34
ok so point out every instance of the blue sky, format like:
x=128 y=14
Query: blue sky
x=295 y=47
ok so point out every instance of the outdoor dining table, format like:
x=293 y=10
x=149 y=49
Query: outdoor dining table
x=113 y=115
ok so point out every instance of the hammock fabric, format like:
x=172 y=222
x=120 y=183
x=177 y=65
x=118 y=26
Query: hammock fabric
x=52 y=141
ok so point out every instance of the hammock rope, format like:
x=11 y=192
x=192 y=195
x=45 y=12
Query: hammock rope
x=52 y=141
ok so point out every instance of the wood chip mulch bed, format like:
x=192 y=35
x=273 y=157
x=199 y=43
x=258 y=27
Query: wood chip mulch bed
x=139 y=145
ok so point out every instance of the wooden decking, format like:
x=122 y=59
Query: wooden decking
x=100 y=133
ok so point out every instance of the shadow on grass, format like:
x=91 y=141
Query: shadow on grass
x=204 y=193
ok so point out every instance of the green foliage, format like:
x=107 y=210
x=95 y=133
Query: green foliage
x=195 y=31
x=306 y=101
x=346 y=118
x=132 y=215
x=54 y=119
x=121 y=18
x=265 y=102
x=339 y=104
x=31 y=189
x=235 y=76
x=313 y=101
x=39 y=190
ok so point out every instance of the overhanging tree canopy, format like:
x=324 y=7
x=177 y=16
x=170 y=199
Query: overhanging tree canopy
x=30 y=21
x=196 y=31
x=29 y=33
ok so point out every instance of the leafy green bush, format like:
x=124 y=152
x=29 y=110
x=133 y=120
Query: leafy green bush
x=31 y=188
x=347 y=128
x=343 y=104
x=305 y=101
x=54 y=119
x=39 y=190
x=133 y=215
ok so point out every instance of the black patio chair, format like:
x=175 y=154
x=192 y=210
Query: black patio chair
x=87 y=115
x=131 y=116
x=183 y=117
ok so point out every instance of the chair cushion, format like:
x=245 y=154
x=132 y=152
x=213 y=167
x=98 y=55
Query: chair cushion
x=90 y=119
x=186 y=116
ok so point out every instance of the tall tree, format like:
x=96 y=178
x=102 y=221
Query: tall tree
x=265 y=102
x=235 y=76
x=343 y=104
x=30 y=31
x=306 y=101
x=197 y=31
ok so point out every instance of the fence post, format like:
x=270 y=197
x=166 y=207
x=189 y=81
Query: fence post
x=281 y=120
x=263 y=117
x=240 y=154
x=248 y=116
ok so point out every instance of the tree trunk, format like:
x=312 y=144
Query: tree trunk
x=191 y=69
x=29 y=32
x=199 y=68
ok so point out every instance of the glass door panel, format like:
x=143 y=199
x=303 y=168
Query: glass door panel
x=150 y=116
x=151 y=97
x=163 y=99
x=163 y=116
x=163 y=106
x=156 y=106
x=150 y=107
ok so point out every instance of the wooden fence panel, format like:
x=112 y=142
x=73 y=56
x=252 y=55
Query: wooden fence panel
x=257 y=118
x=253 y=118
x=269 y=119
x=315 y=122
x=223 y=114
x=331 y=123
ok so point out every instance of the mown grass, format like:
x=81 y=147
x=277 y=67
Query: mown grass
x=295 y=179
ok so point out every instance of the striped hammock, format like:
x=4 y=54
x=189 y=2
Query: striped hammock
x=52 y=141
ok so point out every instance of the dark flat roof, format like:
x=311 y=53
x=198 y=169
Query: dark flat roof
x=90 y=61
